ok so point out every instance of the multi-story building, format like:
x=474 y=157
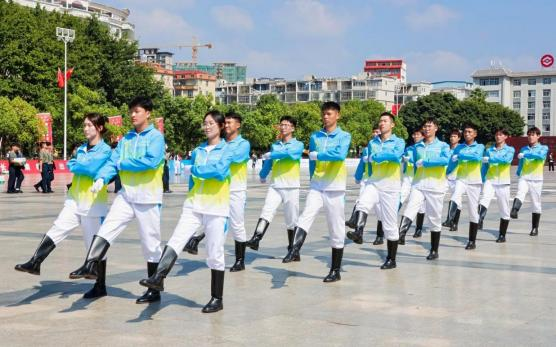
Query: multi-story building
x=193 y=83
x=362 y=87
x=229 y=72
x=532 y=94
x=386 y=68
x=459 y=89
x=114 y=18
x=161 y=62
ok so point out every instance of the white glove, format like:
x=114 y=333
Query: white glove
x=357 y=181
x=455 y=158
x=313 y=155
x=365 y=158
x=485 y=159
x=97 y=186
x=118 y=164
x=405 y=158
x=419 y=163
x=520 y=156
x=187 y=170
x=370 y=159
x=266 y=156
x=263 y=180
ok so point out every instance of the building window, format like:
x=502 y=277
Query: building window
x=531 y=116
x=546 y=80
x=517 y=82
x=531 y=105
x=546 y=92
x=531 y=93
x=532 y=81
x=489 y=81
x=517 y=105
x=517 y=93
x=546 y=127
x=359 y=94
x=546 y=104
x=546 y=116
x=493 y=94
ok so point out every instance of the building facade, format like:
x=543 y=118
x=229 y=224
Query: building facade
x=361 y=87
x=459 y=89
x=114 y=18
x=161 y=62
x=395 y=68
x=531 y=94
x=192 y=83
x=229 y=72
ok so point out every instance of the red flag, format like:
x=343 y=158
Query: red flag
x=68 y=74
x=60 y=79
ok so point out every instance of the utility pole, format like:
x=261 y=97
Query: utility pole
x=66 y=35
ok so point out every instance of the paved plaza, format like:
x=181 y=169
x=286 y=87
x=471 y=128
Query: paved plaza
x=496 y=295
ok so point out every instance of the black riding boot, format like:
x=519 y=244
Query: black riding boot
x=334 y=274
x=216 y=291
x=352 y=221
x=390 y=262
x=515 y=208
x=97 y=251
x=419 y=225
x=453 y=216
x=446 y=223
x=151 y=295
x=260 y=230
x=192 y=245
x=167 y=260
x=472 y=235
x=482 y=215
x=435 y=242
x=503 y=228
x=298 y=239
x=239 y=265
x=405 y=224
x=379 y=234
x=357 y=235
x=291 y=232
x=33 y=266
x=536 y=218
x=99 y=289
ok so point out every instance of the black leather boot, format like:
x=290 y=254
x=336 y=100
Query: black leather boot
x=435 y=242
x=217 y=290
x=260 y=230
x=192 y=245
x=453 y=216
x=390 y=262
x=419 y=225
x=334 y=274
x=482 y=215
x=515 y=208
x=291 y=232
x=99 y=289
x=446 y=223
x=472 y=235
x=33 y=266
x=352 y=221
x=165 y=264
x=405 y=224
x=357 y=235
x=379 y=234
x=239 y=265
x=151 y=295
x=503 y=228
x=298 y=239
x=536 y=218
x=96 y=253
x=455 y=224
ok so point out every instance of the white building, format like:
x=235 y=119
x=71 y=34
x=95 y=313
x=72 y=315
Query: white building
x=459 y=89
x=529 y=93
x=115 y=19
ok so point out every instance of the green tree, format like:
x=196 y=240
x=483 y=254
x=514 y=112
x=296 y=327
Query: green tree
x=19 y=124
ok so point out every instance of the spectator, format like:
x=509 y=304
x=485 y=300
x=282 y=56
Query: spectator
x=17 y=163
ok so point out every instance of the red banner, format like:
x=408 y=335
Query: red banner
x=46 y=119
x=395 y=109
x=159 y=123
x=32 y=166
x=118 y=121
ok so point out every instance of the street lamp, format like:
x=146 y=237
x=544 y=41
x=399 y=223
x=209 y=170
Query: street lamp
x=66 y=35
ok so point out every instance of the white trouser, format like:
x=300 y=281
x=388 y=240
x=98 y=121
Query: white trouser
x=473 y=192
x=406 y=189
x=534 y=189
x=215 y=231
x=68 y=220
x=148 y=217
x=451 y=186
x=432 y=203
x=237 y=215
x=377 y=206
x=287 y=196
x=502 y=192
x=333 y=203
x=389 y=202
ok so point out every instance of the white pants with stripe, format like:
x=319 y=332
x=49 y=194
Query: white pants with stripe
x=289 y=197
x=389 y=202
x=148 y=217
x=431 y=202
x=68 y=220
x=473 y=192
x=534 y=188
x=214 y=227
x=333 y=203
x=502 y=193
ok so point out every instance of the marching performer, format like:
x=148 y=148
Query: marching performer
x=496 y=177
x=383 y=186
x=431 y=156
x=284 y=161
x=328 y=150
x=82 y=207
x=469 y=157
x=530 y=173
x=206 y=207
x=139 y=160
x=451 y=175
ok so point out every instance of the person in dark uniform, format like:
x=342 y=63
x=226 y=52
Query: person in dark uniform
x=17 y=163
x=166 y=173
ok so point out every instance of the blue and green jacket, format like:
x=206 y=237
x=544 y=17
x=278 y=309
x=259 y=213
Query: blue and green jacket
x=531 y=166
x=497 y=170
x=241 y=148
x=328 y=172
x=470 y=159
x=385 y=162
x=284 y=162
x=435 y=157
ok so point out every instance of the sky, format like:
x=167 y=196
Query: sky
x=439 y=40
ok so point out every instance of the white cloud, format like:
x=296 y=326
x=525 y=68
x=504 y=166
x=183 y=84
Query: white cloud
x=310 y=18
x=160 y=28
x=433 y=16
x=438 y=66
x=232 y=17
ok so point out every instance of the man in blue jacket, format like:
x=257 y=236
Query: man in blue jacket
x=328 y=149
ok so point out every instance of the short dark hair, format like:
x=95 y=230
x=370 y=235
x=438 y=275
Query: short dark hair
x=234 y=115
x=456 y=132
x=502 y=130
x=418 y=130
x=289 y=119
x=534 y=130
x=330 y=105
x=98 y=121
x=388 y=114
x=48 y=143
x=15 y=145
x=470 y=126
x=429 y=120
x=216 y=115
x=141 y=101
